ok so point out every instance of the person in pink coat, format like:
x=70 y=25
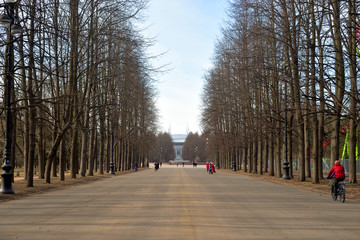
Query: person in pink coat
x=207 y=166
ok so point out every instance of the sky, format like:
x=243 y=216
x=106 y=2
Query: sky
x=186 y=31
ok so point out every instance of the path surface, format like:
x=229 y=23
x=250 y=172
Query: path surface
x=179 y=203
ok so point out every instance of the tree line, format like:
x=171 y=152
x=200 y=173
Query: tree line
x=84 y=92
x=162 y=148
x=194 y=148
x=277 y=61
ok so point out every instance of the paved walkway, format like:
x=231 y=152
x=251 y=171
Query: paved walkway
x=179 y=203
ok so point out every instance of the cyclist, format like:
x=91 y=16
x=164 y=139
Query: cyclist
x=338 y=172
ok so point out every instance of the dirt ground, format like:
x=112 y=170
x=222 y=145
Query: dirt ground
x=21 y=191
x=352 y=189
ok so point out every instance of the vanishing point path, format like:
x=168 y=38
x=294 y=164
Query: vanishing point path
x=179 y=203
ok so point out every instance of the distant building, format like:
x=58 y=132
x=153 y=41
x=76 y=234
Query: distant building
x=178 y=141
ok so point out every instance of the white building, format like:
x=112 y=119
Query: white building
x=178 y=141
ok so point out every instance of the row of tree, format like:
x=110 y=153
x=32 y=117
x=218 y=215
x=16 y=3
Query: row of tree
x=284 y=66
x=194 y=148
x=162 y=149
x=84 y=94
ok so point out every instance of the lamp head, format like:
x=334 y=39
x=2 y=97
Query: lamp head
x=5 y=19
x=11 y=1
x=16 y=29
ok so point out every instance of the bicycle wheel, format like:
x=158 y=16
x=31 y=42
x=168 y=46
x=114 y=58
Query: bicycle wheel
x=333 y=194
x=342 y=195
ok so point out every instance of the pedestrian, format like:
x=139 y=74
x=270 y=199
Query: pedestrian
x=338 y=172
x=183 y=164
x=207 y=166
x=156 y=166
x=212 y=167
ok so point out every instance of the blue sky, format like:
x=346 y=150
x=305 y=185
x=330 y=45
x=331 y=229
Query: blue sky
x=187 y=31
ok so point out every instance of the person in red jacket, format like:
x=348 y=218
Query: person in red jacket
x=212 y=168
x=207 y=166
x=338 y=173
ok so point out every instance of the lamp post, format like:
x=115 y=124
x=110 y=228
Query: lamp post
x=286 y=167
x=234 y=160
x=112 y=165
x=165 y=156
x=196 y=153
x=161 y=154
x=234 y=152
x=8 y=19
x=207 y=149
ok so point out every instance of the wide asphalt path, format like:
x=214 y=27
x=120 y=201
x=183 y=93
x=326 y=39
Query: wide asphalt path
x=179 y=203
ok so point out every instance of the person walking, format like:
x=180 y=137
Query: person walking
x=156 y=166
x=207 y=166
x=212 y=168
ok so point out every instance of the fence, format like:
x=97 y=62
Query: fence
x=327 y=164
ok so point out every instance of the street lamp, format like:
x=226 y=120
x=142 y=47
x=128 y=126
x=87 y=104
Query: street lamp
x=112 y=165
x=8 y=19
x=196 y=153
x=234 y=160
x=161 y=154
x=286 y=167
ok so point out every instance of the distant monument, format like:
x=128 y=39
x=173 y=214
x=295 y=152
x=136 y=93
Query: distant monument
x=178 y=141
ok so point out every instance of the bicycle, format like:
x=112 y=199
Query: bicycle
x=340 y=192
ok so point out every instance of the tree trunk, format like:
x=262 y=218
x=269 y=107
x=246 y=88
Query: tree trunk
x=92 y=145
x=271 y=157
x=266 y=155
x=31 y=81
x=53 y=151
x=74 y=157
x=321 y=106
x=62 y=159
x=339 y=81
x=278 y=153
x=315 y=131
x=290 y=137
x=306 y=110
x=255 y=156
x=354 y=91
x=74 y=37
x=24 y=105
x=260 y=157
